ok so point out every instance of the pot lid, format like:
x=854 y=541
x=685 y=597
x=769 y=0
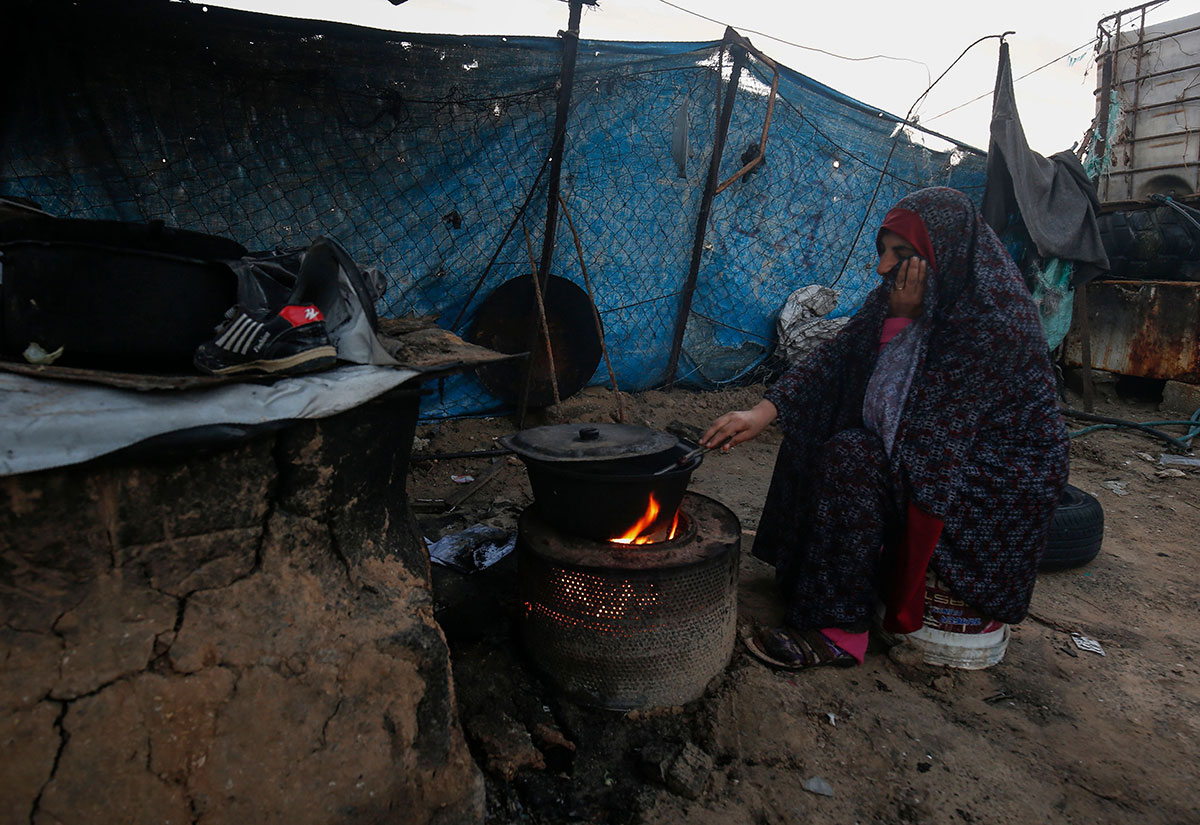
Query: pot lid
x=588 y=442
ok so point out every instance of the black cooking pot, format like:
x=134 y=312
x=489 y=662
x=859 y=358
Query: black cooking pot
x=596 y=480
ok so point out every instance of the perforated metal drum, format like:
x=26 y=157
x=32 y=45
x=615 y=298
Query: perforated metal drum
x=627 y=627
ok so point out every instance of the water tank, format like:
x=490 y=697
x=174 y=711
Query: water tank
x=1154 y=73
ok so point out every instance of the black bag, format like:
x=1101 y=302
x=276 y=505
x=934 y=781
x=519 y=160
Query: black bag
x=128 y=297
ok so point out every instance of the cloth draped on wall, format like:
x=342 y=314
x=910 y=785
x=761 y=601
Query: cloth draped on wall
x=980 y=447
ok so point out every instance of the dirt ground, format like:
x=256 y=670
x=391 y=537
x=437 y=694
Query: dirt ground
x=1051 y=734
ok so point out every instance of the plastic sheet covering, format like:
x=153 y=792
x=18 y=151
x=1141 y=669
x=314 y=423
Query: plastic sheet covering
x=417 y=152
x=46 y=424
x=802 y=323
x=1054 y=297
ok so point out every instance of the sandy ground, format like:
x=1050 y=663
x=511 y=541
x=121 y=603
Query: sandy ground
x=1051 y=734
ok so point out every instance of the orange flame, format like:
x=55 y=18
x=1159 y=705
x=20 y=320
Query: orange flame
x=634 y=535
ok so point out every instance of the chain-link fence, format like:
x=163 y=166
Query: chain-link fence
x=426 y=157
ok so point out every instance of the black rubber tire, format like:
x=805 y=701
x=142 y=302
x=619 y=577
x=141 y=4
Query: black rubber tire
x=1076 y=533
x=1150 y=244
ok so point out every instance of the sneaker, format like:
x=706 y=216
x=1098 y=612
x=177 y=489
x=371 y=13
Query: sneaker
x=292 y=341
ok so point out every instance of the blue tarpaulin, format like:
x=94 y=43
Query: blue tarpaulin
x=416 y=152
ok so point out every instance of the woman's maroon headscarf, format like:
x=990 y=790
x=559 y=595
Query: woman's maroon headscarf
x=908 y=225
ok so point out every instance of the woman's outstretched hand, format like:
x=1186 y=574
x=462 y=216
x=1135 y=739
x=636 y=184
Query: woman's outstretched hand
x=741 y=425
x=908 y=292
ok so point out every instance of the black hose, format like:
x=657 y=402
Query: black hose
x=1178 y=207
x=1178 y=445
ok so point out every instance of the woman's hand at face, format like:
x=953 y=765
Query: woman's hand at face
x=908 y=292
x=741 y=425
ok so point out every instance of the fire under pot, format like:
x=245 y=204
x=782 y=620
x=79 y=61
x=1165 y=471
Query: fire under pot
x=628 y=626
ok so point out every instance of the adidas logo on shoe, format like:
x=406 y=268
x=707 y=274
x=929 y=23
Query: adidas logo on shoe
x=292 y=341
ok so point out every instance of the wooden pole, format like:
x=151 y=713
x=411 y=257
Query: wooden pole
x=1085 y=347
x=566 y=80
x=1100 y=143
x=710 y=187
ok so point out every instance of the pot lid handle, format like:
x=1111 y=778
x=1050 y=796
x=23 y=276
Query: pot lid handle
x=588 y=442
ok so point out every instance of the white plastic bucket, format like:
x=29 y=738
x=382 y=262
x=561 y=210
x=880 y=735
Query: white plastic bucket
x=954 y=634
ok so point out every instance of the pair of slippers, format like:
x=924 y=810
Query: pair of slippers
x=784 y=648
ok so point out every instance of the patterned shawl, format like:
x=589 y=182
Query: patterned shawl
x=980 y=415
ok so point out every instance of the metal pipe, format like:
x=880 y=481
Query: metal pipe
x=1163 y=73
x=1117 y=15
x=762 y=143
x=566 y=82
x=1151 y=40
x=1105 y=114
x=1173 y=102
x=1164 y=135
x=710 y=187
x=1129 y=170
x=1108 y=180
x=1137 y=94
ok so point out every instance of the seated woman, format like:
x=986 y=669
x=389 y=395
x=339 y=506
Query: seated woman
x=925 y=435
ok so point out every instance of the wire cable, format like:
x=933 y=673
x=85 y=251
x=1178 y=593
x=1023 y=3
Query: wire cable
x=925 y=66
x=895 y=142
x=1022 y=77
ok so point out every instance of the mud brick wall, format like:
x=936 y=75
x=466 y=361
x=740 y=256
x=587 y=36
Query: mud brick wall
x=241 y=636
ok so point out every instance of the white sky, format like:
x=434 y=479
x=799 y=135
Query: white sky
x=1056 y=103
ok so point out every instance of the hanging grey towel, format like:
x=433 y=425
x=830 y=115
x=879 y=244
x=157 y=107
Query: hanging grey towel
x=1054 y=196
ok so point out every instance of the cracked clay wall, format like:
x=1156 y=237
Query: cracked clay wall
x=242 y=636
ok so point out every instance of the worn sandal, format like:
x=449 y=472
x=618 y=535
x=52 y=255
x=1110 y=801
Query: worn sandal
x=788 y=649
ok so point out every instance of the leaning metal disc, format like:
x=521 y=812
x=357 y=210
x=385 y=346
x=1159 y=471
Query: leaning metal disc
x=503 y=323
